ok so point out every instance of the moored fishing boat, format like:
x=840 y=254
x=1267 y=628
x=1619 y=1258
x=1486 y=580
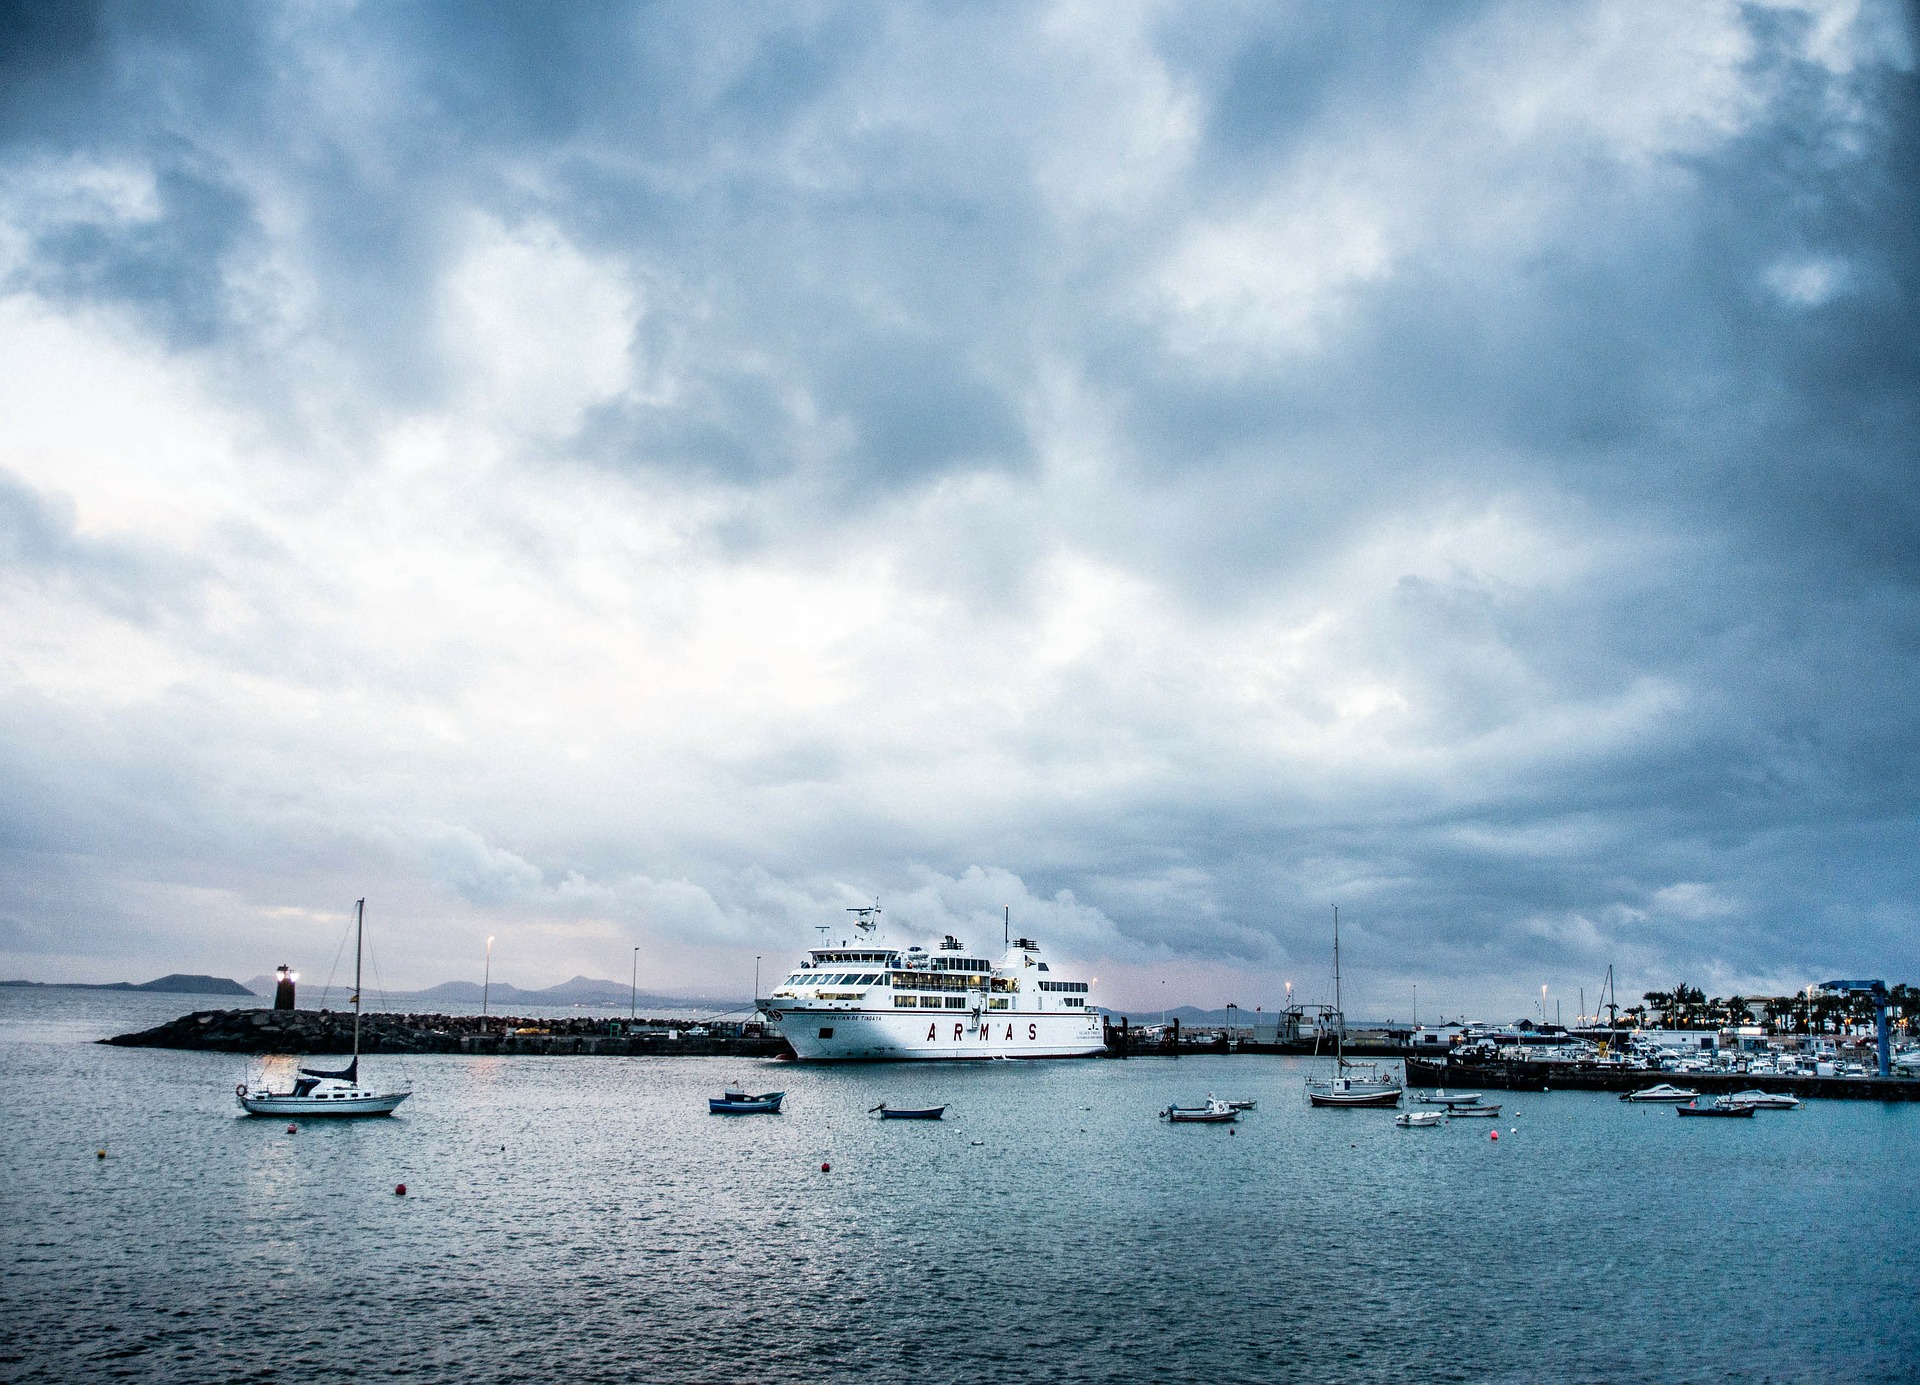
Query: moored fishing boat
x=1440 y=1096
x=1719 y=1107
x=1213 y=1112
x=735 y=1102
x=319 y=1092
x=1474 y=1109
x=1661 y=1091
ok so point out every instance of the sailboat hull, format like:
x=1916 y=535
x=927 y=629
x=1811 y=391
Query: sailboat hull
x=307 y=1107
x=1390 y=1097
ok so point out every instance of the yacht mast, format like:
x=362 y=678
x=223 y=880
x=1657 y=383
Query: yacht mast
x=359 y=928
x=1339 y=1015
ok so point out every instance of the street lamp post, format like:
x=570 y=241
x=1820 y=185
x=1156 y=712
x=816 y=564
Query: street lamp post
x=486 y=984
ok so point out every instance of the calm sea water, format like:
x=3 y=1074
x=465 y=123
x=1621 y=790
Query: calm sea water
x=584 y=1220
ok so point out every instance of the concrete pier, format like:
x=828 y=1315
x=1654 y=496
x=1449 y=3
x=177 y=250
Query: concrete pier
x=325 y=1031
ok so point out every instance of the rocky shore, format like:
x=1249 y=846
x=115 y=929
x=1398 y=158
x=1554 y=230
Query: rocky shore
x=327 y=1031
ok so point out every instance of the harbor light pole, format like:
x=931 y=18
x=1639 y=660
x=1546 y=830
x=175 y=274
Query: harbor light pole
x=486 y=982
x=756 y=978
x=633 y=989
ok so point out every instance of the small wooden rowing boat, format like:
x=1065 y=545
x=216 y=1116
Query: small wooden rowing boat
x=1722 y=1107
x=909 y=1113
x=739 y=1103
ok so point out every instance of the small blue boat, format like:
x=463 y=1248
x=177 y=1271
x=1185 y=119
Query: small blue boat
x=909 y=1113
x=739 y=1103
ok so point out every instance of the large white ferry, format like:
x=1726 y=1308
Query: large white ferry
x=866 y=1001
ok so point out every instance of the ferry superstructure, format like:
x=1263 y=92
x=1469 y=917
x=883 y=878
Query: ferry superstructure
x=864 y=1001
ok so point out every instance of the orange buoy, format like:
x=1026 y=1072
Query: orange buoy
x=399 y=1190
x=826 y=1168
x=99 y=1154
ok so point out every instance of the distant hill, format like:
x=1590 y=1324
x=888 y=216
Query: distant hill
x=581 y=990
x=175 y=983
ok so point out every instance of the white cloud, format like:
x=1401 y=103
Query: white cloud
x=540 y=332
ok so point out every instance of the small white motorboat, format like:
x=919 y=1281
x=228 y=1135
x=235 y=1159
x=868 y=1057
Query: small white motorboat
x=318 y=1092
x=1764 y=1101
x=1214 y=1112
x=1440 y=1096
x=1474 y=1109
x=1419 y=1120
x=1662 y=1091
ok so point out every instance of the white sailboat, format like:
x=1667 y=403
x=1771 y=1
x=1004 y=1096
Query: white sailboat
x=1352 y=1084
x=320 y=1093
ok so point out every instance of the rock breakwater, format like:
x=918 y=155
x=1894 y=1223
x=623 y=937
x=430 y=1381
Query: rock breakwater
x=327 y=1031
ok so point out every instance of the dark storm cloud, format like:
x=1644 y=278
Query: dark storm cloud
x=1664 y=311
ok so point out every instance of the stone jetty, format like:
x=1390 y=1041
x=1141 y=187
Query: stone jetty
x=327 y=1031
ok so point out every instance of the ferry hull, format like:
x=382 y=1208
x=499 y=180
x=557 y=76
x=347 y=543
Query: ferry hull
x=879 y=1036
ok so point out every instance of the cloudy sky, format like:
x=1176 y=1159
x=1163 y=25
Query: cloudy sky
x=659 y=475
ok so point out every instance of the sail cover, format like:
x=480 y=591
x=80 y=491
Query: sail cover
x=350 y=1073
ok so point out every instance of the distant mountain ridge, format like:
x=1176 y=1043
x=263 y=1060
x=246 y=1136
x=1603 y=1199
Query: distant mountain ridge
x=580 y=990
x=174 y=983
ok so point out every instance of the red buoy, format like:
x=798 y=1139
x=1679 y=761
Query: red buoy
x=399 y=1190
x=826 y=1168
x=1493 y=1134
x=292 y=1128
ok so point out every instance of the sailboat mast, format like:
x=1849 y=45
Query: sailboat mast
x=1339 y=1015
x=359 y=930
